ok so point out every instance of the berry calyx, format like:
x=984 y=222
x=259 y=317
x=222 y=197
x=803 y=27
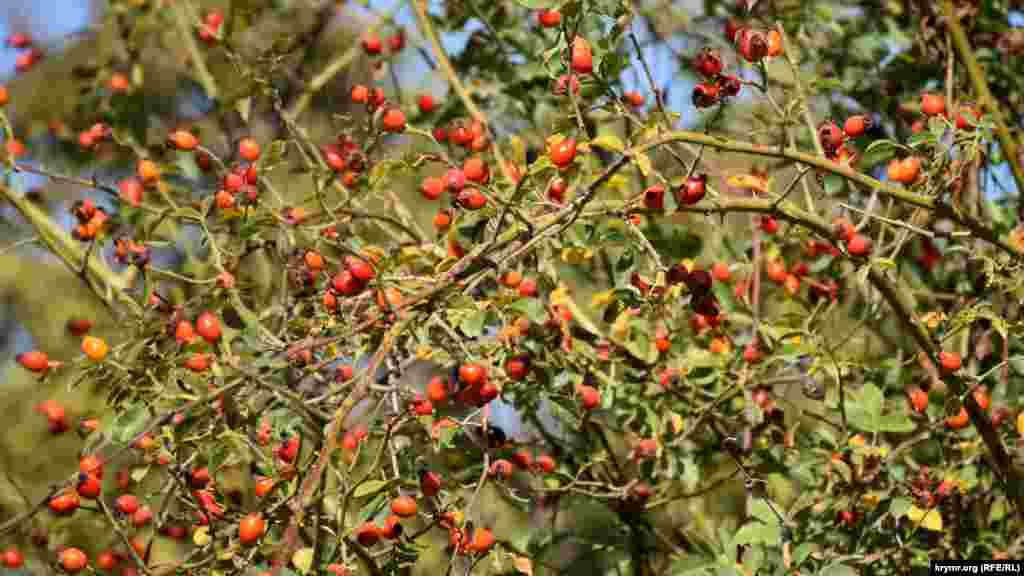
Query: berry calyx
x=708 y=63
x=705 y=95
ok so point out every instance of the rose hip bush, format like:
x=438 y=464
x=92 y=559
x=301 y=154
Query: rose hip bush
x=785 y=341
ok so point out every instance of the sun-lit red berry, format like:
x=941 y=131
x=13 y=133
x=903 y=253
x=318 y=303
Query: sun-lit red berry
x=183 y=140
x=34 y=361
x=393 y=120
x=251 y=528
x=582 y=56
x=208 y=327
x=590 y=397
x=476 y=170
x=549 y=18
x=432 y=187
x=372 y=44
x=857 y=125
x=859 y=245
x=918 y=400
x=73 y=560
x=471 y=199
x=248 y=149
x=692 y=191
x=933 y=104
x=950 y=361
x=563 y=152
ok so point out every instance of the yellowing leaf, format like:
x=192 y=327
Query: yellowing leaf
x=523 y=564
x=643 y=163
x=927 y=519
x=560 y=295
x=374 y=252
x=871 y=499
x=677 y=422
x=620 y=328
x=856 y=441
x=1020 y=423
x=518 y=150
x=139 y=473
x=303 y=559
x=617 y=182
x=201 y=537
x=608 y=142
x=575 y=256
x=933 y=319
x=1017 y=238
x=553 y=140
x=748 y=182
x=369 y=488
x=602 y=298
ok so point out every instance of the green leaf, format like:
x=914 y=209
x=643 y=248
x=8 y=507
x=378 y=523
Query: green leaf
x=608 y=142
x=802 y=552
x=761 y=510
x=879 y=145
x=896 y=422
x=759 y=533
x=900 y=506
x=998 y=510
x=1017 y=363
x=532 y=308
x=303 y=560
x=473 y=324
x=369 y=488
x=833 y=184
x=726 y=297
x=129 y=423
x=538 y=4
x=866 y=412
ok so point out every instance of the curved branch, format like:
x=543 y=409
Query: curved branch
x=423 y=21
x=1010 y=474
x=65 y=248
x=963 y=49
x=927 y=202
